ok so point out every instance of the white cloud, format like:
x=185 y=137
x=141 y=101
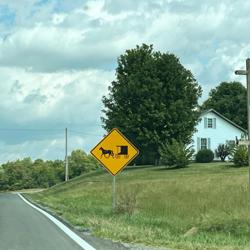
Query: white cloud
x=58 y=57
x=54 y=97
x=58 y=18
x=45 y=148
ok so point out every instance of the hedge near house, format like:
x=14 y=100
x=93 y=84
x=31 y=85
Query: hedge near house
x=204 y=156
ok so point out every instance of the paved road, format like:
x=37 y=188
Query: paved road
x=24 y=228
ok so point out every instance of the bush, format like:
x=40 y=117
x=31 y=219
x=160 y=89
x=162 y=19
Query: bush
x=223 y=151
x=175 y=154
x=127 y=201
x=240 y=157
x=204 y=156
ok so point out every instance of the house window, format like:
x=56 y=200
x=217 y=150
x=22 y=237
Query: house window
x=203 y=143
x=209 y=122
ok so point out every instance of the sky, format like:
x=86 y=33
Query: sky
x=58 y=57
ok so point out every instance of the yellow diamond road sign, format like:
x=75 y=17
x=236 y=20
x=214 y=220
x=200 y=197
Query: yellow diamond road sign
x=115 y=151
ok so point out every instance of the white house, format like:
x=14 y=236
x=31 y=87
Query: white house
x=215 y=129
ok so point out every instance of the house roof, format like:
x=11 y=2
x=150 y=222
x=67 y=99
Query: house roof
x=224 y=118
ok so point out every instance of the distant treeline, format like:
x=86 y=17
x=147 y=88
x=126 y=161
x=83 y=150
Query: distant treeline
x=26 y=173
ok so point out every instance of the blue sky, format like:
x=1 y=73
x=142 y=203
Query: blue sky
x=57 y=59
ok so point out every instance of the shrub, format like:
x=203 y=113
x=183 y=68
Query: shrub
x=205 y=155
x=223 y=151
x=127 y=201
x=175 y=154
x=240 y=157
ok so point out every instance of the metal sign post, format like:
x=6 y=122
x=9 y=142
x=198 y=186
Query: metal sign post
x=114 y=193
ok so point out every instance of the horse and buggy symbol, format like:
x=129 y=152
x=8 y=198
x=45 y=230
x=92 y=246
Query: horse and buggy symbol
x=121 y=151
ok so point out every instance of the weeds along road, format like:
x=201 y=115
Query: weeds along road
x=24 y=228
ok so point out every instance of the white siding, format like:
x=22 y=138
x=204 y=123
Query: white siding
x=219 y=134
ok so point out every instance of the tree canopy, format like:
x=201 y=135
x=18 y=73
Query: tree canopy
x=153 y=100
x=229 y=99
x=26 y=173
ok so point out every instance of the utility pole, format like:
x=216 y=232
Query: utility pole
x=66 y=156
x=247 y=74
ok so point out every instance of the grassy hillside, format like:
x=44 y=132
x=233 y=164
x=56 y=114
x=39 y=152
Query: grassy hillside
x=157 y=206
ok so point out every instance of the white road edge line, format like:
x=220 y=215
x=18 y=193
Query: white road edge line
x=64 y=228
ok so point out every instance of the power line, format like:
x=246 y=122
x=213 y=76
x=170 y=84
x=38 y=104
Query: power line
x=37 y=130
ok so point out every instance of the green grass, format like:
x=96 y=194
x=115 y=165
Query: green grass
x=211 y=197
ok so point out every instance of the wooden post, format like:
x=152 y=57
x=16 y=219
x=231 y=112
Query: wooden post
x=248 y=116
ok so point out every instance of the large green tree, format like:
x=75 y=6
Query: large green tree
x=152 y=101
x=229 y=99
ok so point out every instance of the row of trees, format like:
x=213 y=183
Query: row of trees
x=154 y=100
x=26 y=173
